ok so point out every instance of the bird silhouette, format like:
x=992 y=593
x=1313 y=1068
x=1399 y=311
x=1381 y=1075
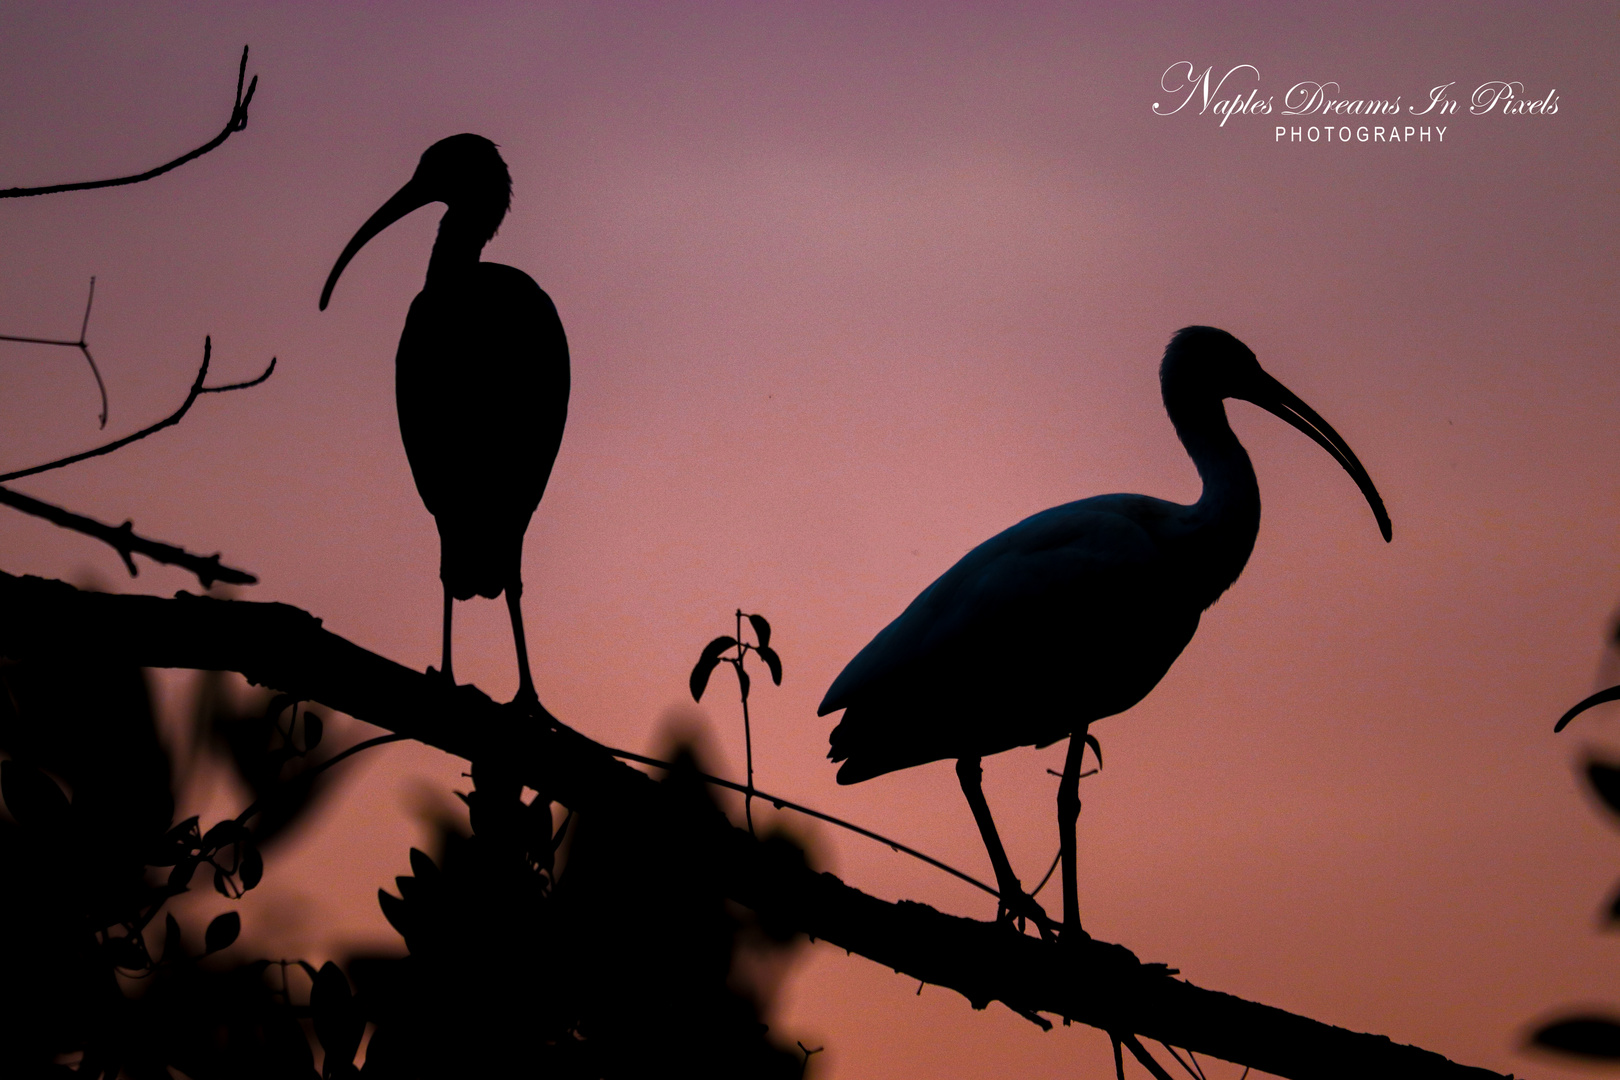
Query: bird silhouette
x=1071 y=615
x=481 y=381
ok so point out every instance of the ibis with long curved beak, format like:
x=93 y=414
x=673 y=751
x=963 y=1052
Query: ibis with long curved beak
x=481 y=381
x=1073 y=614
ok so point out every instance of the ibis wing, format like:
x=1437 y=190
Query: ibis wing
x=1045 y=585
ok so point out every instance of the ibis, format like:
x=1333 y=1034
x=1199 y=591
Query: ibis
x=481 y=382
x=1071 y=615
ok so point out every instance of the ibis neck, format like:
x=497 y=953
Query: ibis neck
x=1220 y=528
x=456 y=251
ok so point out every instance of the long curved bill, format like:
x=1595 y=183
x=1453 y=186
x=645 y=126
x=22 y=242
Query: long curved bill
x=408 y=198
x=1280 y=401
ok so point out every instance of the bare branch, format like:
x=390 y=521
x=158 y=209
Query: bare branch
x=784 y=804
x=173 y=418
x=237 y=122
x=1092 y=982
x=124 y=540
x=82 y=345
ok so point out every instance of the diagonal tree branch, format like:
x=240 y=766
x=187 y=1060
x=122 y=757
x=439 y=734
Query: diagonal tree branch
x=238 y=121
x=124 y=540
x=197 y=390
x=1095 y=983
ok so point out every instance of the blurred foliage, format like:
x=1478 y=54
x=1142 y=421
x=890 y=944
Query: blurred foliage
x=622 y=962
x=1595 y=1037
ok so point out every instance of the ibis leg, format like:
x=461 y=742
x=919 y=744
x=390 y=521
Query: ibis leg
x=1014 y=900
x=1068 y=805
x=514 y=605
x=444 y=668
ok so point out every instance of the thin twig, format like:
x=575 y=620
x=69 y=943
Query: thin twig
x=258 y=805
x=124 y=540
x=81 y=345
x=237 y=122
x=173 y=418
x=1049 y=871
x=748 y=733
x=784 y=804
x=1149 y=1062
x=1190 y=1070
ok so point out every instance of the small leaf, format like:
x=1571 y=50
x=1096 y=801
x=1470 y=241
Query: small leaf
x=699 y=680
x=226 y=832
x=706 y=665
x=314 y=728
x=32 y=797
x=719 y=645
x=222 y=932
x=252 y=869
x=1096 y=747
x=180 y=876
x=219 y=883
x=762 y=630
x=1605 y=780
x=395 y=911
x=772 y=661
x=1584 y=1036
x=743 y=681
x=422 y=865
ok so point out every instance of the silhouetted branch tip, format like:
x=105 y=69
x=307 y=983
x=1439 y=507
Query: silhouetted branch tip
x=237 y=122
x=197 y=388
x=1599 y=698
x=124 y=540
x=242 y=385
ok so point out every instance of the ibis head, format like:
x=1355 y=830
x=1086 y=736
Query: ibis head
x=466 y=173
x=1204 y=365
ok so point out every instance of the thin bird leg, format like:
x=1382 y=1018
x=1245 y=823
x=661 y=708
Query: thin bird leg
x=1068 y=805
x=1014 y=901
x=449 y=675
x=514 y=604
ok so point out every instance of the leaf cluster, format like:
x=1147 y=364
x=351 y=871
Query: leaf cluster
x=714 y=654
x=90 y=856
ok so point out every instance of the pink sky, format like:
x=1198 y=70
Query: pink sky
x=850 y=288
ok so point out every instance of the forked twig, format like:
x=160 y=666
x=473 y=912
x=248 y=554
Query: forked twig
x=238 y=121
x=197 y=388
x=123 y=538
x=81 y=345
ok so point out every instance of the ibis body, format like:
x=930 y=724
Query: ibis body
x=481 y=381
x=1073 y=614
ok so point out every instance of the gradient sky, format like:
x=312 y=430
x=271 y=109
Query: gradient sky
x=850 y=288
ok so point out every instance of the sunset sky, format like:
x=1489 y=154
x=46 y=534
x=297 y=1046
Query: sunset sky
x=850 y=288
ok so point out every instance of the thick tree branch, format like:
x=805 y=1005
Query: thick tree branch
x=238 y=121
x=1095 y=983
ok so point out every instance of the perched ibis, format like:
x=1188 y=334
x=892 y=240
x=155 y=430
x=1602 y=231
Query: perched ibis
x=481 y=381
x=1073 y=614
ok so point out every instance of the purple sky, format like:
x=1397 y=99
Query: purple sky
x=850 y=288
